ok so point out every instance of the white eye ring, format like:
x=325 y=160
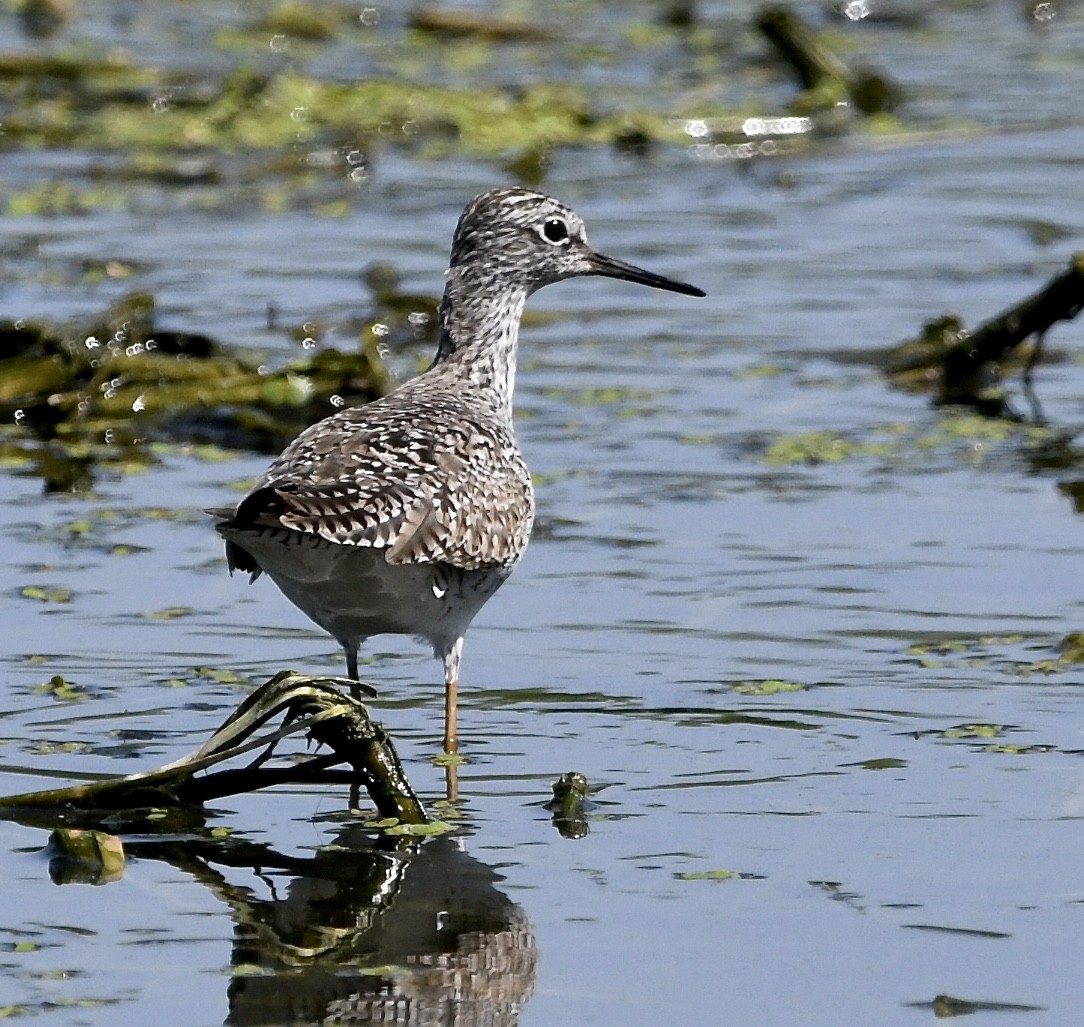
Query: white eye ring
x=554 y=230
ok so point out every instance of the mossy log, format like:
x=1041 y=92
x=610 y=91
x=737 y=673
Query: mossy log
x=314 y=706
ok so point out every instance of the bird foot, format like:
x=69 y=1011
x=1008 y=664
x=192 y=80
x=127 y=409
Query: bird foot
x=357 y=688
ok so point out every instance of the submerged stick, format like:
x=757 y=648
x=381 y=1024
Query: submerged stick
x=826 y=80
x=1061 y=299
x=969 y=365
x=310 y=705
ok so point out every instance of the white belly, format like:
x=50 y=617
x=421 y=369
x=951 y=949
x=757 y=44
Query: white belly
x=353 y=593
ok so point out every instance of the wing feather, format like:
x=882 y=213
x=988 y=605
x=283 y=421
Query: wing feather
x=428 y=481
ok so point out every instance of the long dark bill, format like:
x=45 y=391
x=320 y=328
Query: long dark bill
x=611 y=267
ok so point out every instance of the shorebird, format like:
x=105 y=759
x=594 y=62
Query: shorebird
x=405 y=515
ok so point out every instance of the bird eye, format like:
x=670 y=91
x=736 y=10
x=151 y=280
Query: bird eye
x=554 y=230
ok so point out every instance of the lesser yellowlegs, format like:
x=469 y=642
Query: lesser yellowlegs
x=404 y=516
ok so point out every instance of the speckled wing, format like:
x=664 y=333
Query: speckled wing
x=427 y=483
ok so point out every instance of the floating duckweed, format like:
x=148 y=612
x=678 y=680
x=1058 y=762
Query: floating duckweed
x=716 y=875
x=1018 y=750
x=381 y=823
x=449 y=759
x=60 y=688
x=168 y=613
x=47 y=593
x=221 y=676
x=248 y=970
x=770 y=687
x=755 y=371
x=437 y=827
x=814 y=447
x=974 y=731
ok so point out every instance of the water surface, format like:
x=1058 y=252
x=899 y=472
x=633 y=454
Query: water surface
x=904 y=823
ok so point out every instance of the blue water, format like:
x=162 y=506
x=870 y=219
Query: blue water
x=886 y=852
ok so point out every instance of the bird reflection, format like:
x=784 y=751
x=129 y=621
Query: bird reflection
x=357 y=934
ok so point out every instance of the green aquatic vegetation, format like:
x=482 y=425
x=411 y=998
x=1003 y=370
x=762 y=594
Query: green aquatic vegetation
x=431 y=829
x=208 y=453
x=47 y=593
x=55 y=199
x=756 y=371
x=449 y=759
x=982 y=652
x=220 y=675
x=717 y=875
x=697 y=439
x=602 y=396
x=168 y=613
x=47 y=748
x=812 y=447
x=968 y=427
x=1019 y=750
x=769 y=687
x=102 y=392
x=446 y=809
x=942 y=648
x=974 y=731
x=953 y=436
x=119 y=107
x=60 y=688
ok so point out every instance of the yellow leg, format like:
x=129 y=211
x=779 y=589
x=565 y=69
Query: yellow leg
x=451 y=726
x=451 y=695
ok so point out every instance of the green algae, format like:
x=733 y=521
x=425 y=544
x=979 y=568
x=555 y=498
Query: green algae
x=974 y=731
x=818 y=447
x=60 y=688
x=996 y=653
x=47 y=593
x=769 y=687
x=957 y=434
x=105 y=390
x=145 y=114
x=709 y=875
x=717 y=875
